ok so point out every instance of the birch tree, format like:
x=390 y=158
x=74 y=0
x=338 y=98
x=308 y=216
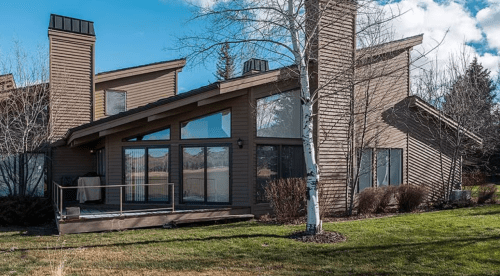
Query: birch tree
x=283 y=32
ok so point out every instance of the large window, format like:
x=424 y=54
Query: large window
x=274 y=161
x=159 y=135
x=206 y=174
x=388 y=167
x=23 y=174
x=116 y=102
x=146 y=165
x=278 y=116
x=217 y=125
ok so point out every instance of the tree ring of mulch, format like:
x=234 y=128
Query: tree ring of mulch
x=323 y=237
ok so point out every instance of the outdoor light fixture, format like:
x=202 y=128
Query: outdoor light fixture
x=91 y=151
x=240 y=143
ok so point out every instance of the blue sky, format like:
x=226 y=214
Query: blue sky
x=131 y=33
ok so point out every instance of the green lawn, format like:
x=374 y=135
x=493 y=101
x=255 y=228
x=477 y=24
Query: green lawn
x=453 y=242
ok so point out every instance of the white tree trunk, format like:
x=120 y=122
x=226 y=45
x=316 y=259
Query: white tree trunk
x=313 y=218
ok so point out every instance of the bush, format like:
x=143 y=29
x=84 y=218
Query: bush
x=487 y=193
x=287 y=198
x=409 y=197
x=368 y=200
x=372 y=200
x=25 y=211
x=386 y=195
x=473 y=178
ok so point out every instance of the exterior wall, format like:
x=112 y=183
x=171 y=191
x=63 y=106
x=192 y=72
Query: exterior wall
x=430 y=161
x=141 y=89
x=72 y=162
x=381 y=86
x=240 y=157
x=7 y=82
x=71 y=80
x=335 y=51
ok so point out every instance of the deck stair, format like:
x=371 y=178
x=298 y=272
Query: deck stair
x=211 y=219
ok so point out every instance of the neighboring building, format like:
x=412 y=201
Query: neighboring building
x=220 y=144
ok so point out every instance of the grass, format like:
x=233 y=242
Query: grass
x=453 y=242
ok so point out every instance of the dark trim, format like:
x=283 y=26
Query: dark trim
x=206 y=115
x=181 y=175
x=146 y=173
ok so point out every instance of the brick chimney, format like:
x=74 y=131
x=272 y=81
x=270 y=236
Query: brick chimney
x=72 y=43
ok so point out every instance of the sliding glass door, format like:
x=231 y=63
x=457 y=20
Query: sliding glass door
x=206 y=174
x=146 y=165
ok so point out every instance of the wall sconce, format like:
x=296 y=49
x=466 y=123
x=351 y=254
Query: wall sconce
x=91 y=151
x=240 y=143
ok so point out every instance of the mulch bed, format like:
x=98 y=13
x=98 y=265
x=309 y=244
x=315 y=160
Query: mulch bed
x=323 y=237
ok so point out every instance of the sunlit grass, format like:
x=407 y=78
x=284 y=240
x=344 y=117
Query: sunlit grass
x=453 y=242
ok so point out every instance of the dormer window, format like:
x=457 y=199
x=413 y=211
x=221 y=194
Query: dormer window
x=116 y=102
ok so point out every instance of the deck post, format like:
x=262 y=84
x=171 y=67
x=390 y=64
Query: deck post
x=121 y=201
x=172 y=197
x=61 y=203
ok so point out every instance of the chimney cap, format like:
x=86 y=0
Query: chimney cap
x=255 y=65
x=72 y=25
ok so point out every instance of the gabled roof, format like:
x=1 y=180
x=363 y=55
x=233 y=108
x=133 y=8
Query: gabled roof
x=391 y=46
x=416 y=101
x=138 y=70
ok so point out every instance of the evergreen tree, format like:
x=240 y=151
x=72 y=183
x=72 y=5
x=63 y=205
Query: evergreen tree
x=225 y=64
x=470 y=100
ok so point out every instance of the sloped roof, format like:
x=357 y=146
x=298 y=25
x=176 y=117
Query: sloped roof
x=141 y=69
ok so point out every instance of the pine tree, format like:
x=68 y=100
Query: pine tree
x=471 y=98
x=225 y=64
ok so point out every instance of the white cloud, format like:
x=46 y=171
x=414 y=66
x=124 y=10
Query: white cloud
x=451 y=20
x=489 y=20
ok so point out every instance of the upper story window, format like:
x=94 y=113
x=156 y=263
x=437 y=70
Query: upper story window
x=116 y=102
x=217 y=125
x=160 y=135
x=279 y=116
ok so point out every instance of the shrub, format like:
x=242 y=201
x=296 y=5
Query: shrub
x=487 y=193
x=368 y=200
x=25 y=211
x=287 y=198
x=386 y=195
x=409 y=197
x=473 y=178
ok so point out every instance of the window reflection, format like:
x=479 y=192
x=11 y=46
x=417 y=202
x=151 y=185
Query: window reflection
x=217 y=125
x=279 y=116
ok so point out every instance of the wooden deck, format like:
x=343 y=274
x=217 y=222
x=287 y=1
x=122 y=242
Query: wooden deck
x=94 y=220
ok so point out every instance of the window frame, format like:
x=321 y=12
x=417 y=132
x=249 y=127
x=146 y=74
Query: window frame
x=376 y=167
x=146 y=173
x=106 y=100
x=181 y=174
x=206 y=115
x=263 y=97
x=279 y=165
x=126 y=139
x=373 y=167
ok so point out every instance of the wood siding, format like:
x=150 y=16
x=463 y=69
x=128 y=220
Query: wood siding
x=335 y=52
x=141 y=89
x=71 y=162
x=71 y=80
x=381 y=87
x=240 y=157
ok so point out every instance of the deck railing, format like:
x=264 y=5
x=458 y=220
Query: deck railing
x=58 y=197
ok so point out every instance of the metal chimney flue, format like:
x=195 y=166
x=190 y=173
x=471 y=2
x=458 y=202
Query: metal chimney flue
x=253 y=66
